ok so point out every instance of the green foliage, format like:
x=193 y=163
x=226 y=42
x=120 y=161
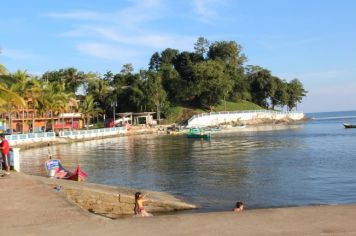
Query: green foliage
x=237 y=106
x=211 y=78
x=211 y=83
x=70 y=77
x=172 y=114
x=295 y=92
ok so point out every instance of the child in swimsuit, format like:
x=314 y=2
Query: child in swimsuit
x=139 y=208
x=239 y=207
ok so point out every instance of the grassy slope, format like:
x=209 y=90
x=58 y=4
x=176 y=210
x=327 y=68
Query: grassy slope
x=180 y=114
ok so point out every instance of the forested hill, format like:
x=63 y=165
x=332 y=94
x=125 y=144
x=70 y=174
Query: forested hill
x=206 y=78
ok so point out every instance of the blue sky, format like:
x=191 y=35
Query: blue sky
x=312 y=40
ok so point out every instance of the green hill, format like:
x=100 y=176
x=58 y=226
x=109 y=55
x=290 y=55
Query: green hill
x=180 y=114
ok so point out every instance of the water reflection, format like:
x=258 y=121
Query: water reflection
x=307 y=165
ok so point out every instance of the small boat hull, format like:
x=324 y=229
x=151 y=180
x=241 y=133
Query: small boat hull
x=55 y=169
x=193 y=135
x=349 y=126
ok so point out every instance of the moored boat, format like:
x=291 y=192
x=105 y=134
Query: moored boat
x=55 y=169
x=198 y=133
x=347 y=125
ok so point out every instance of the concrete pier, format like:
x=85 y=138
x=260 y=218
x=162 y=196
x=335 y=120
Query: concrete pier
x=32 y=207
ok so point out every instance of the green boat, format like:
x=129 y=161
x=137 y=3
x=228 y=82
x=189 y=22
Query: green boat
x=198 y=133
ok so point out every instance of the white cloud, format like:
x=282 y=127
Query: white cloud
x=156 y=41
x=124 y=32
x=106 y=51
x=16 y=54
x=77 y=15
x=207 y=10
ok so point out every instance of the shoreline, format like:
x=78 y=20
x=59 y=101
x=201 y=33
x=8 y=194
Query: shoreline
x=258 y=127
x=35 y=208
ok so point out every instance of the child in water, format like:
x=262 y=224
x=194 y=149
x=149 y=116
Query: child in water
x=239 y=207
x=139 y=208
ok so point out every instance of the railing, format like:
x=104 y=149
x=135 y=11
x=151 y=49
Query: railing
x=246 y=111
x=91 y=131
x=17 y=137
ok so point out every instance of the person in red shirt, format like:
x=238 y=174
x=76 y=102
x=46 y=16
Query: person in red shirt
x=5 y=151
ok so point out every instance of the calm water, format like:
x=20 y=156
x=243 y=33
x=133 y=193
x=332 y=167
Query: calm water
x=314 y=163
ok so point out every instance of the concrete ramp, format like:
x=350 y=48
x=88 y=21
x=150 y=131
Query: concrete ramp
x=113 y=202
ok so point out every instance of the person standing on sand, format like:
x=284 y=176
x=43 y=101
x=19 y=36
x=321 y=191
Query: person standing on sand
x=139 y=207
x=5 y=151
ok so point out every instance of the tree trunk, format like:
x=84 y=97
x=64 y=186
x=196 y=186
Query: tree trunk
x=23 y=120
x=158 y=113
x=52 y=118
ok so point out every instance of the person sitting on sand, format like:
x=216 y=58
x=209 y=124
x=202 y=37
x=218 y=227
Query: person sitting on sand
x=239 y=207
x=139 y=208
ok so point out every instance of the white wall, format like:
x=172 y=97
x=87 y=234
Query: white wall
x=216 y=118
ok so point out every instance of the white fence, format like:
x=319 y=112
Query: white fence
x=92 y=133
x=217 y=118
x=16 y=139
x=31 y=138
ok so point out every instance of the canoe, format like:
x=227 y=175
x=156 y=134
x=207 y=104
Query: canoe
x=346 y=125
x=197 y=135
x=55 y=169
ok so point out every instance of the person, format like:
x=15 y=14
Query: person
x=139 y=207
x=5 y=151
x=239 y=207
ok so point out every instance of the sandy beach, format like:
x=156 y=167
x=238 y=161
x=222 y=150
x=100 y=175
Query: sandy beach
x=30 y=207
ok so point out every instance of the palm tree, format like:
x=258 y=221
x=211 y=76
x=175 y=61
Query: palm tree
x=88 y=109
x=33 y=93
x=56 y=100
x=8 y=96
x=3 y=70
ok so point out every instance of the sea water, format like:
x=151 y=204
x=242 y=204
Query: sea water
x=312 y=163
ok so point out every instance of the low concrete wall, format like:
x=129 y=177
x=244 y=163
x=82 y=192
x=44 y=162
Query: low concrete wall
x=242 y=117
x=93 y=133
x=40 y=139
x=113 y=202
x=31 y=138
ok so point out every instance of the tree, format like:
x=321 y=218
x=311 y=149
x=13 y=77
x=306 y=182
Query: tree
x=280 y=95
x=296 y=93
x=213 y=84
x=9 y=98
x=261 y=85
x=127 y=69
x=155 y=62
x=168 y=56
x=3 y=70
x=201 y=46
x=155 y=94
x=228 y=52
x=172 y=84
x=108 y=76
x=71 y=77
x=89 y=109
x=100 y=90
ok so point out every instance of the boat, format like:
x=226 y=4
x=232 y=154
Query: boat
x=347 y=125
x=78 y=175
x=55 y=169
x=198 y=133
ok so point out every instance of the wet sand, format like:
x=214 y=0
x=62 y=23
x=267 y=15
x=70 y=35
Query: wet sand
x=30 y=207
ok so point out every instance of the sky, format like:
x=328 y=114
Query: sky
x=312 y=40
